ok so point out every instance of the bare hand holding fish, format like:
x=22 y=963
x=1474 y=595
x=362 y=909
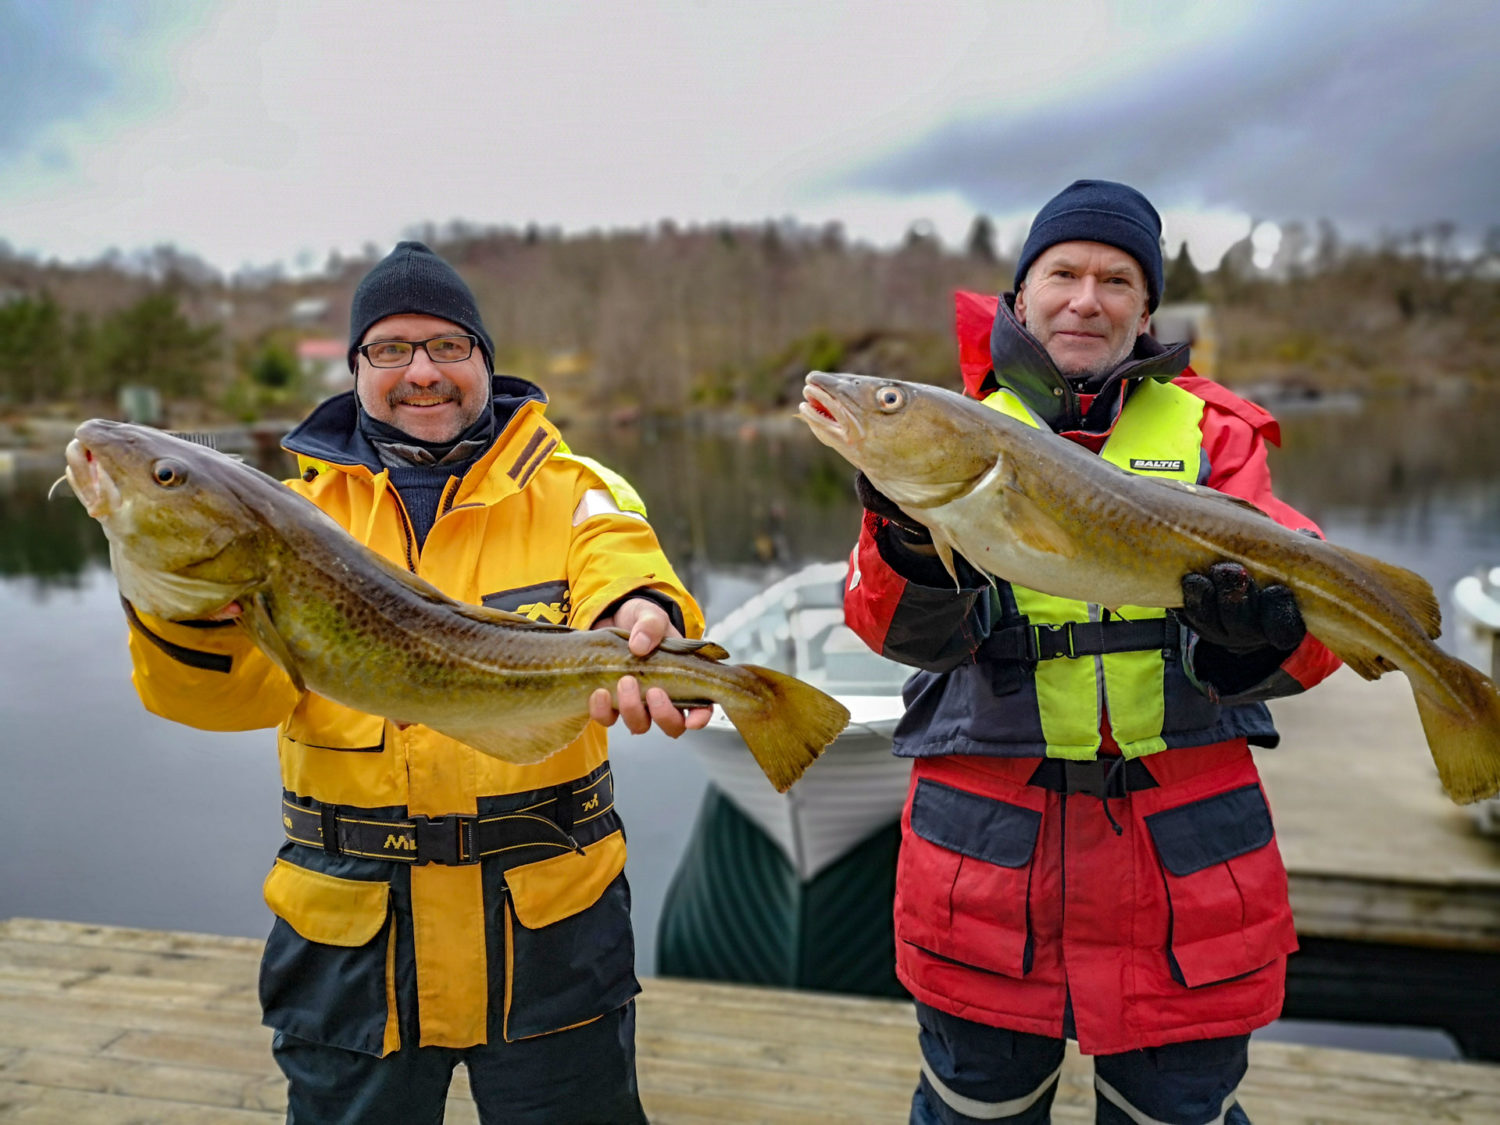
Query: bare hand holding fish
x=192 y=531
x=1030 y=507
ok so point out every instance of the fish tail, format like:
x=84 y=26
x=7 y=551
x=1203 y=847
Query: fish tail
x=1464 y=739
x=785 y=723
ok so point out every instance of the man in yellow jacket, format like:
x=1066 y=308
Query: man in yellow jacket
x=420 y=922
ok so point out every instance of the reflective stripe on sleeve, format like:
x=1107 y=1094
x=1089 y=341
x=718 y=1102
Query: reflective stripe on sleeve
x=987 y=1111
x=599 y=502
x=1118 y=1100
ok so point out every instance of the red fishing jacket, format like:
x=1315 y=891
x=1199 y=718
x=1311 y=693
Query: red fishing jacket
x=1156 y=917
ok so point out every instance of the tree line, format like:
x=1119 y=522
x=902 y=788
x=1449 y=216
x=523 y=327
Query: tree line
x=672 y=317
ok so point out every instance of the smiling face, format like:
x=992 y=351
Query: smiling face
x=1085 y=302
x=430 y=401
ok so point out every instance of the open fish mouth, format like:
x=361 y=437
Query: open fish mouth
x=823 y=412
x=90 y=483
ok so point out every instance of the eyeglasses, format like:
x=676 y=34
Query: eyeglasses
x=400 y=353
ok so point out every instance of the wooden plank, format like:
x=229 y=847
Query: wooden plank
x=49 y=1105
x=174 y=942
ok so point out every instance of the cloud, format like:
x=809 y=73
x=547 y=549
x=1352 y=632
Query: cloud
x=1378 y=115
x=62 y=61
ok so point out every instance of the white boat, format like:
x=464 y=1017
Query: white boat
x=857 y=787
x=1477 y=599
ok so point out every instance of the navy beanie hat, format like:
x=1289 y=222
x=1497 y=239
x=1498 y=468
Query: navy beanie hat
x=1099 y=211
x=412 y=279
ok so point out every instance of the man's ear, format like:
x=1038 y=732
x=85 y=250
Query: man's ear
x=1021 y=302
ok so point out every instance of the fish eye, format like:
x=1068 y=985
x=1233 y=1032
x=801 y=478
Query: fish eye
x=169 y=473
x=890 y=398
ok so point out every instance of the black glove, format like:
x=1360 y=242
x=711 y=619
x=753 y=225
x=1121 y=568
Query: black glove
x=873 y=500
x=1226 y=608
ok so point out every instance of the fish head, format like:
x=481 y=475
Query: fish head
x=919 y=445
x=183 y=541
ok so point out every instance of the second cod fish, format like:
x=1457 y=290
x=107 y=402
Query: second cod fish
x=191 y=530
x=1033 y=508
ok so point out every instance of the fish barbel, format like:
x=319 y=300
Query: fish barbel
x=1030 y=507
x=191 y=530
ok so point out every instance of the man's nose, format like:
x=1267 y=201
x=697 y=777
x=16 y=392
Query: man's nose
x=422 y=370
x=1085 y=300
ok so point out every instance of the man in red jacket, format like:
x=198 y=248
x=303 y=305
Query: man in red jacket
x=1087 y=851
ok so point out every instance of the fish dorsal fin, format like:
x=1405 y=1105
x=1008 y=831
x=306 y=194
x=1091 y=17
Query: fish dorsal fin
x=489 y=616
x=1411 y=590
x=681 y=646
x=1203 y=493
x=255 y=616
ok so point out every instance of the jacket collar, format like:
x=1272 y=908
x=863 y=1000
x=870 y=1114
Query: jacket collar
x=331 y=433
x=1019 y=363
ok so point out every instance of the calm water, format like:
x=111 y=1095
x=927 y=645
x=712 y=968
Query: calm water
x=112 y=815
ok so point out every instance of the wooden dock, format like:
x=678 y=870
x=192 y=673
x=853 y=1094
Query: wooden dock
x=101 y=1025
x=1375 y=851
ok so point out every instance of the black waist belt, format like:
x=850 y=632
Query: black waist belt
x=1031 y=643
x=1102 y=777
x=543 y=828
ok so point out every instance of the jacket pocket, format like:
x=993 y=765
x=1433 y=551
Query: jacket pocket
x=1228 y=913
x=328 y=972
x=569 y=950
x=963 y=879
x=319 y=723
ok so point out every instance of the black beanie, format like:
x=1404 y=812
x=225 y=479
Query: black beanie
x=412 y=279
x=1099 y=211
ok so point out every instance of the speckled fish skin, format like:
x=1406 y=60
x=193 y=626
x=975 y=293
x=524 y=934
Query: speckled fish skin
x=1033 y=508
x=191 y=530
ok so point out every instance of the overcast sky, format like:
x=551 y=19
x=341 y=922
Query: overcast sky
x=249 y=132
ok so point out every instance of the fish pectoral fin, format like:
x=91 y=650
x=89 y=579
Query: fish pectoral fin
x=1412 y=590
x=255 y=616
x=521 y=744
x=945 y=556
x=1032 y=526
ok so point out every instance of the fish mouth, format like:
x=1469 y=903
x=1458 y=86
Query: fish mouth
x=88 y=480
x=828 y=417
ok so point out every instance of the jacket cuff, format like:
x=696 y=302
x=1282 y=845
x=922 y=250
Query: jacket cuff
x=672 y=609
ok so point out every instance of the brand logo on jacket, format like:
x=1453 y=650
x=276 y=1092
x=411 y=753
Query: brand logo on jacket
x=400 y=843
x=591 y=804
x=1155 y=465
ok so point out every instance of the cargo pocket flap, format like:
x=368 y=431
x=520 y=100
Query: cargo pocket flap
x=1196 y=836
x=325 y=908
x=980 y=827
x=552 y=889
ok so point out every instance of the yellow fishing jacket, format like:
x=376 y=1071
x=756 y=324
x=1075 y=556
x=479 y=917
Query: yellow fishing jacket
x=532 y=528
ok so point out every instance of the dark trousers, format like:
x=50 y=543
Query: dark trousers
x=975 y=1073
x=582 y=1076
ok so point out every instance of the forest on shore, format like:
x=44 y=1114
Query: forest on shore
x=672 y=319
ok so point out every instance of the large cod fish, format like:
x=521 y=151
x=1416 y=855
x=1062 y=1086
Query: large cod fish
x=191 y=530
x=1033 y=508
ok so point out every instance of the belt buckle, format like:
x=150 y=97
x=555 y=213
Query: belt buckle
x=1053 y=651
x=447 y=840
x=1085 y=777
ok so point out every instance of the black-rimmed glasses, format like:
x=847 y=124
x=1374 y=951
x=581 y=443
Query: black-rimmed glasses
x=400 y=353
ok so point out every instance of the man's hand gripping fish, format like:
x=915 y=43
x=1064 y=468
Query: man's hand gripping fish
x=191 y=530
x=1033 y=508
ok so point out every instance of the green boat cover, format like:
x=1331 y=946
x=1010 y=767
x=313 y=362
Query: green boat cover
x=736 y=911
